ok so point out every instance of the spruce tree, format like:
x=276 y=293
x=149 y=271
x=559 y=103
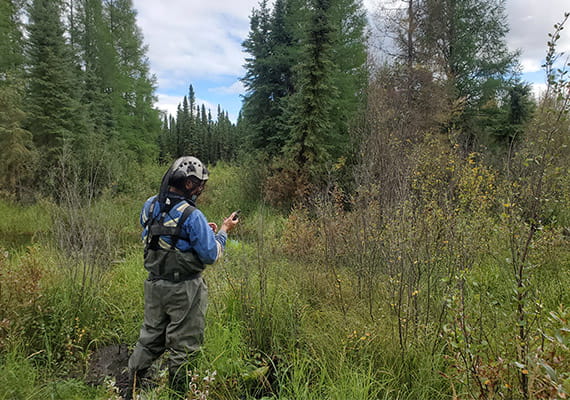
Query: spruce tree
x=192 y=139
x=312 y=138
x=163 y=139
x=17 y=155
x=211 y=156
x=11 y=52
x=178 y=145
x=55 y=113
x=202 y=150
x=274 y=46
x=185 y=124
x=258 y=97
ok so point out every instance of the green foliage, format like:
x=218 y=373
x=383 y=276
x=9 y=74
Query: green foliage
x=20 y=379
x=311 y=127
x=261 y=102
x=229 y=188
x=461 y=44
x=88 y=107
x=55 y=115
x=304 y=80
x=18 y=158
x=373 y=302
x=137 y=120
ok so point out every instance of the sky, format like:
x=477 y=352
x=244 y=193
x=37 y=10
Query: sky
x=199 y=42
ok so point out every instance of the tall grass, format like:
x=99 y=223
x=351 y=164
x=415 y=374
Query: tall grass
x=369 y=303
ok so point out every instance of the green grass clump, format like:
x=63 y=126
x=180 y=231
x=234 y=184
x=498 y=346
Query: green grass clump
x=22 y=379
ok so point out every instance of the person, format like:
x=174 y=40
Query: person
x=179 y=243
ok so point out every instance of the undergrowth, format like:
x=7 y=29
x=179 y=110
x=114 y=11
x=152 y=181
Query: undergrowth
x=333 y=301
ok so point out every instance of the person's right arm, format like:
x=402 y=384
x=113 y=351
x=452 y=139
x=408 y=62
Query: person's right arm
x=208 y=246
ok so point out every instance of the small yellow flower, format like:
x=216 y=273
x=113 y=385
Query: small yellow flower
x=525 y=371
x=487 y=382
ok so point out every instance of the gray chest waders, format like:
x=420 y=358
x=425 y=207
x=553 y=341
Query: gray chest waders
x=169 y=263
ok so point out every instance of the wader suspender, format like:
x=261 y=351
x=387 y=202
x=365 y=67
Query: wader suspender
x=157 y=229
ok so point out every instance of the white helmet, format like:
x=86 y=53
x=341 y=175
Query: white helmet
x=179 y=171
x=185 y=167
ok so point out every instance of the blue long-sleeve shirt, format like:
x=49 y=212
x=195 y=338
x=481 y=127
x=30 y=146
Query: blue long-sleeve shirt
x=195 y=234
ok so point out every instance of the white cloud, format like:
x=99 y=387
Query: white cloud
x=530 y=22
x=190 y=39
x=236 y=88
x=538 y=89
x=529 y=64
x=167 y=103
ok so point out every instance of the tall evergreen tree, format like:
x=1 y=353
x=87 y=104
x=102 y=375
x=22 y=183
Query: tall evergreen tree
x=55 y=117
x=17 y=155
x=193 y=139
x=257 y=107
x=312 y=138
x=305 y=77
x=178 y=148
x=210 y=146
x=100 y=66
x=288 y=22
x=137 y=121
x=11 y=53
x=202 y=150
x=274 y=45
x=185 y=125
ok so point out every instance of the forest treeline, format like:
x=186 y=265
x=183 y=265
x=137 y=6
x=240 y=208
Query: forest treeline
x=78 y=96
x=78 y=100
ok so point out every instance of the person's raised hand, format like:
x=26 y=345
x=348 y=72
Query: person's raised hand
x=230 y=222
